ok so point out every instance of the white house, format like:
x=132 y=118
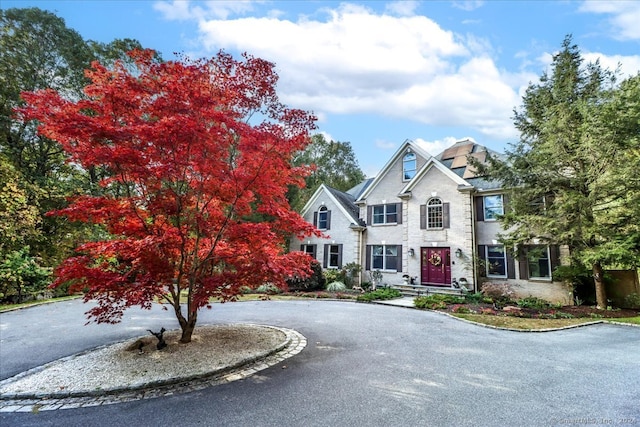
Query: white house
x=430 y=221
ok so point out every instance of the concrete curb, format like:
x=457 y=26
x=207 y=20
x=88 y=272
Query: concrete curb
x=579 y=325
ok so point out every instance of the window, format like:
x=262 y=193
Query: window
x=386 y=214
x=496 y=261
x=309 y=249
x=434 y=214
x=384 y=257
x=538 y=262
x=409 y=164
x=323 y=218
x=493 y=207
x=334 y=256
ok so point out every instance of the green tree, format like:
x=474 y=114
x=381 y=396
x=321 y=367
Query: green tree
x=563 y=172
x=38 y=51
x=333 y=163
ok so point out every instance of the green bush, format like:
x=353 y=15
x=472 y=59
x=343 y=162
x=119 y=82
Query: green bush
x=332 y=275
x=21 y=277
x=336 y=287
x=380 y=294
x=632 y=301
x=314 y=282
x=473 y=298
x=533 y=302
x=437 y=301
x=268 y=288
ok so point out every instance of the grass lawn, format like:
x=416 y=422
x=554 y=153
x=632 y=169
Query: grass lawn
x=632 y=320
x=522 y=323
x=4 y=307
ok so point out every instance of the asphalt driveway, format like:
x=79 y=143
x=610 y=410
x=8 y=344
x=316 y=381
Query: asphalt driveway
x=364 y=365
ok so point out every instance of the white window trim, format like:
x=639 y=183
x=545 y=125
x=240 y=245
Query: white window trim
x=384 y=259
x=484 y=206
x=325 y=211
x=384 y=215
x=414 y=160
x=441 y=206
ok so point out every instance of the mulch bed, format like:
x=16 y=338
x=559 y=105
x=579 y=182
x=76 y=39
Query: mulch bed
x=534 y=313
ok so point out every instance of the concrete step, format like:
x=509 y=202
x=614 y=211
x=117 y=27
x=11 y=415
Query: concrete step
x=418 y=290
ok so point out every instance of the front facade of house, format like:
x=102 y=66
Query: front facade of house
x=432 y=222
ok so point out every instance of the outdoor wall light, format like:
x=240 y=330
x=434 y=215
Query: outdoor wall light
x=458 y=253
x=411 y=252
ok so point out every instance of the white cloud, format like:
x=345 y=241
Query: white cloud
x=629 y=65
x=436 y=147
x=468 y=5
x=402 y=8
x=181 y=10
x=352 y=60
x=624 y=19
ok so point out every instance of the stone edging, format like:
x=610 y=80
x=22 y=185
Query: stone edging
x=294 y=343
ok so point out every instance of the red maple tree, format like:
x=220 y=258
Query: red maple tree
x=198 y=159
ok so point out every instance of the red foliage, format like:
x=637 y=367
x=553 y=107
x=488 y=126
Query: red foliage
x=199 y=160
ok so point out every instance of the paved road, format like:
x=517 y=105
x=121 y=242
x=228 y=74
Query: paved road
x=365 y=365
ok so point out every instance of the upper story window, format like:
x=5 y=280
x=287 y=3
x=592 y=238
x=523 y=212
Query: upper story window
x=322 y=218
x=385 y=214
x=409 y=165
x=493 y=207
x=434 y=213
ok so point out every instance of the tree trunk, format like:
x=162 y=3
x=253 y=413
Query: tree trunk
x=601 y=297
x=188 y=327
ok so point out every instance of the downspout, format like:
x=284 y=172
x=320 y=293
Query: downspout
x=474 y=258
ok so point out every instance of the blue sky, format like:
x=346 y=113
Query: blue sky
x=379 y=72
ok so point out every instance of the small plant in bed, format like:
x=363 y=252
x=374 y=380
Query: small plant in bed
x=380 y=294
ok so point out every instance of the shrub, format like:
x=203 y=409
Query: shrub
x=351 y=271
x=473 y=297
x=437 y=301
x=336 y=287
x=268 y=288
x=632 y=301
x=312 y=283
x=460 y=308
x=380 y=294
x=498 y=291
x=533 y=302
x=21 y=277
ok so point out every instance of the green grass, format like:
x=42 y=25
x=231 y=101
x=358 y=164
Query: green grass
x=6 y=307
x=631 y=320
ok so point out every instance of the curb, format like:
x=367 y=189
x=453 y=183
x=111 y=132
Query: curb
x=579 y=325
x=293 y=344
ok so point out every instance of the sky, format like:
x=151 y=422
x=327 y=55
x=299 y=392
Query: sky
x=379 y=72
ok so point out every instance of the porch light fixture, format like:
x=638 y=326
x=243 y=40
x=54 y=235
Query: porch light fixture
x=458 y=253
x=411 y=252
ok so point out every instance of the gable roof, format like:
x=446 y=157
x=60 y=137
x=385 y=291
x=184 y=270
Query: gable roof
x=344 y=201
x=434 y=163
x=398 y=154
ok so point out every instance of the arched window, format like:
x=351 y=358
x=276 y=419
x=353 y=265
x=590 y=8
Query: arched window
x=409 y=165
x=323 y=218
x=434 y=213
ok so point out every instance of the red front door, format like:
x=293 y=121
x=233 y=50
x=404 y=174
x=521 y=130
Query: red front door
x=436 y=266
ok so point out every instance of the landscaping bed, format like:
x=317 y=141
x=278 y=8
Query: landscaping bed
x=530 y=308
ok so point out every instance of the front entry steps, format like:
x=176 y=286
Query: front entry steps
x=409 y=290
